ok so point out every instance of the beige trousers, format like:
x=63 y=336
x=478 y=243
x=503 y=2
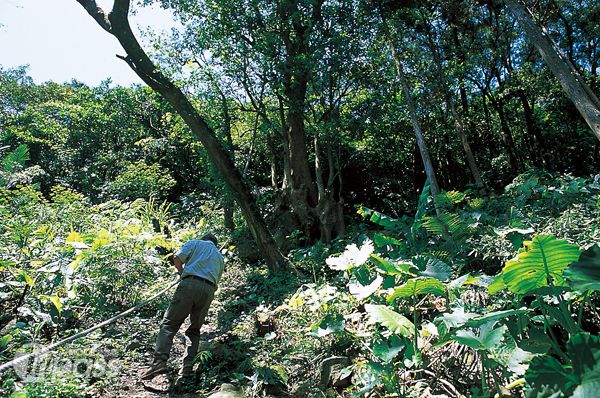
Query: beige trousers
x=192 y=297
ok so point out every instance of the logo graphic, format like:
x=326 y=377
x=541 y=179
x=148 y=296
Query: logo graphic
x=77 y=363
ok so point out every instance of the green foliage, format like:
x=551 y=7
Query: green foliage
x=584 y=274
x=488 y=337
x=507 y=339
x=67 y=264
x=540 y=263
x=139 y=180
x=418 y=286
x=578 y=378
x=392 y=320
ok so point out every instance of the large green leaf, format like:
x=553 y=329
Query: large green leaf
x=381 y=240
x=494 y=316
x=487 y=338
x=578 y=378
x=330 y=323
x=392 y=320
x=456 y=318
x=584 y=349
x=496 y=285
x=421 y=207
x=392 y=268
x=361 y=292
x=381 y=219
x=433 y=267
x=510 y=355
x=547 y=373
x=541 y=262
x=352 y=257
x=388 y=349
x=418 y=286
x=585 y=273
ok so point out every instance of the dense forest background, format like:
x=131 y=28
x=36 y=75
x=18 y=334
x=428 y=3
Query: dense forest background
x=436 y=134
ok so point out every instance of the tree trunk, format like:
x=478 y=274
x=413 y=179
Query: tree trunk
x=412 y=110
x=507 y=136
x=533 y=130
x=571 y=81
x=302 y=192
x=458 y=123
x=330 y=210
x=117 y=24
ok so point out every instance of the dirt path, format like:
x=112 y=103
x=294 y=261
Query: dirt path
x=141 y=332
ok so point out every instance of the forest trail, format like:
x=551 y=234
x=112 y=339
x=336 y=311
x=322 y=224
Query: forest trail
x=144 y=328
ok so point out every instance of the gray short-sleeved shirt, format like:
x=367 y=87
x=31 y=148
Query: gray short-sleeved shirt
x=203 y=259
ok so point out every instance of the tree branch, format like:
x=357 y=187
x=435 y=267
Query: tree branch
x=97 y=13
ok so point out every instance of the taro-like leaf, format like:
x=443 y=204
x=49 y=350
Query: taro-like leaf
x=392 y=268
x=388 y=349
x=487 y=338
x=494 y=316
x=418 y=286
x=456 y=318
x=361 y=292
x=584 y=349
x=380 y=218
x=497 y=284
x=546 y=372
x=542 y=261
x=392 y=320
x=461 y=281
x=352 y=257
x=381 y=240
x=421 y=207
x=512 y=356
x=433 y=267
x=585 y=273
x=579 y=378
x=330 y=323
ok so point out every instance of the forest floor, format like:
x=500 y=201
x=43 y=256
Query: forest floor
x=140 y=333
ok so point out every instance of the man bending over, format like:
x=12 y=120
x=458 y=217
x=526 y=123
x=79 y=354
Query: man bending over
x=200 y=265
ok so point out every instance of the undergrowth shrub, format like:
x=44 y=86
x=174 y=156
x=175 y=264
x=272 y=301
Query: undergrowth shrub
x=423 y=314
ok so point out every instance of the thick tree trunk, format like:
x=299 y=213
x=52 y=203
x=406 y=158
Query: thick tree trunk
x=303 y=196
x=309 y=207
x=117 y=24
x=571 y=81
x=330 y=210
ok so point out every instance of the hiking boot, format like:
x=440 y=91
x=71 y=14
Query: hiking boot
x=157 y=368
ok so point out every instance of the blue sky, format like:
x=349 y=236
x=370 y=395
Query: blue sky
x=61 y=42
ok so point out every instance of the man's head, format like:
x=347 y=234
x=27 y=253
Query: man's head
x=211 y=238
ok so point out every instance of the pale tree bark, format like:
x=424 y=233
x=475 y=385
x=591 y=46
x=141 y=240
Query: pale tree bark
x=412 y=110
x=117 y=24
x=458 y=122
x=572 y=82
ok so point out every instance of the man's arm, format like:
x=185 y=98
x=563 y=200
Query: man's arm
x=178 y=264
